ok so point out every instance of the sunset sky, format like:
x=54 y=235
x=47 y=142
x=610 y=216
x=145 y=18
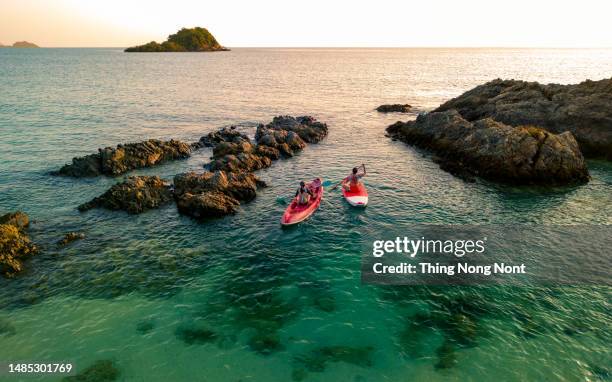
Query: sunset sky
x=312 y=23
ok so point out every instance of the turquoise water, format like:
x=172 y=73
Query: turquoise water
x=281 y=303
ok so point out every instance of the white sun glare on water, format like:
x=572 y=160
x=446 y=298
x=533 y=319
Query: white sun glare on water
x=313 y=23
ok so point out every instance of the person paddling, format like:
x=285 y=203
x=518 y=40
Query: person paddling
x=352 y=180
x=303 y=194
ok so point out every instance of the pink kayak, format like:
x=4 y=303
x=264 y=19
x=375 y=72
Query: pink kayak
x=297 y=213
x=356 y=196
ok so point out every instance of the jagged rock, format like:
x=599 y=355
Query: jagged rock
x=214 y=194
x=308 y=128
x=17 y=218
x=394 y=108
x=123 y=158
x=135 y=195
x=15 y=245
x=231 y=135
x=70 y=237
x=495 y=151
x=227 y=148
x=585 y=109
x=210 y=204
x=243 y=162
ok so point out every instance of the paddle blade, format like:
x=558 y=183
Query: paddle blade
x=327 y=183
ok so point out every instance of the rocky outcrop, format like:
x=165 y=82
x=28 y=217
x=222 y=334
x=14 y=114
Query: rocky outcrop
x=230 y=181
x=116 y=161
x=306 y=127
x=15 y=245
x=226 y=134
x=69 y=238
x=496 y=151
x=18 y=219
x=214 y=194
x=283 y=137
x=584 y=109
x=135 y=195
x=394 y=108
x=217 y=192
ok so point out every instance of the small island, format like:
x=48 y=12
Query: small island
x=185 y=40
x=20 y=44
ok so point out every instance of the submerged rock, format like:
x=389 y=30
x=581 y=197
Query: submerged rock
x=495 y=151
x=585 y=109
x=135 y=195
x=70 y=237
x=195 y=335
x=318 y=359
x=123 y=158
x=100 y=371
x=15 y=245
x=394 y=108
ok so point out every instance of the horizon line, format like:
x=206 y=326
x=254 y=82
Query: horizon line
x=339 y=47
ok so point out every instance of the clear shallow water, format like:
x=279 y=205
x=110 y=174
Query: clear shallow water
x=274 y=297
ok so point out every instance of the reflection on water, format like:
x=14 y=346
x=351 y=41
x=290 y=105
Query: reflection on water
x=162 y=297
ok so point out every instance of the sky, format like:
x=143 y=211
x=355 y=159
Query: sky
x=312 y=23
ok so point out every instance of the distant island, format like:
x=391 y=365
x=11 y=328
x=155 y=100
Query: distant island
x=185 y=40
x=20 y=44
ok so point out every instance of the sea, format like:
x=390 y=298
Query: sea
x=168 y=298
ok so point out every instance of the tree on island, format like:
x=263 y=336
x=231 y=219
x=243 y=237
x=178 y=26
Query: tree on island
x=185 y=40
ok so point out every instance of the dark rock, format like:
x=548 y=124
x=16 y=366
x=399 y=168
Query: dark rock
x=394 y=108
x=207 y=205
x=243 y=162
x=70 y=237
x=306 y=127
x=17 y=219
x=123 y=158
x=584 y=109
x=447 y=356
x=230 y=135
x=100 y=371
x=495 y=151
x=135 y=195
x=217 y=194
x=15 y=245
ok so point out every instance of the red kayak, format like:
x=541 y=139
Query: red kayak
x=297 y=213
x=356 y=196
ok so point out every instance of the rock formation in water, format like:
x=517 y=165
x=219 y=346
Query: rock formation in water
x=394 y=108
x=185 y=40
x=494 y=150
x=230 y=180
x=585 y=109
x=15 y=245
x=24 y=44
x=116 y=161
x=135 y=195
x=70 y=237
x=214 y=194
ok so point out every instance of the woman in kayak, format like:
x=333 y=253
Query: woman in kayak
x=303 y=194
x=353 y=179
